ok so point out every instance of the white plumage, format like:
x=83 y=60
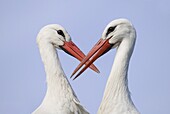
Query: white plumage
x=118 y=34
x=60 y=97
x=116 y=97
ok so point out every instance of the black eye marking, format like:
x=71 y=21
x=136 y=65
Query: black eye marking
x=111 y=29
x=60 y=32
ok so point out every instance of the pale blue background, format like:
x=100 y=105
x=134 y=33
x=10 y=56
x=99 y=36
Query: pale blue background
x=22 y=76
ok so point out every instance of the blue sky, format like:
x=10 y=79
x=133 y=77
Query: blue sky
x=22 y=79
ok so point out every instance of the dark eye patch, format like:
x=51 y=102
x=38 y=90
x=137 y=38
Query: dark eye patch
x=60 y=32
x=110 y=29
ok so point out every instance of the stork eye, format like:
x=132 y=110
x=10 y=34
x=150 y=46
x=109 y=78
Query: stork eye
x=60 y=32
x=111 y=29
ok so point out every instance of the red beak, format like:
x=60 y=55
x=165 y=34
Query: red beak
x=73 y=50
x=101 y=47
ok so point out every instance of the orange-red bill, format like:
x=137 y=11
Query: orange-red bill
x=98 y=44
x=101 y=47
x=73 y=50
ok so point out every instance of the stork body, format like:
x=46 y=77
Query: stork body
x=117 y=99
x=119 y=33
x=60 y=97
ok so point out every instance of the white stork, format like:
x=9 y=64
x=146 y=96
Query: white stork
x=60 y=97
x=118 y=34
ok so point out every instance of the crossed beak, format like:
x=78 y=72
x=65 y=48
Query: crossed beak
x=100 y=48
x=71 y=49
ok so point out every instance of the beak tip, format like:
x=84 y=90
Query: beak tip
x=71 y=76
x=98 y=71
x=74 y=78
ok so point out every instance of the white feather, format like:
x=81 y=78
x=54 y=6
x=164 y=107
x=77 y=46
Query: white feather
x=60 y=97
x=117 y=99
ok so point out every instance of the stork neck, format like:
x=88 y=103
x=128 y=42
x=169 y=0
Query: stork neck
x=59 y=91
x=51 y=62
x=116 y=93
x=56 y=79
x=118 y=77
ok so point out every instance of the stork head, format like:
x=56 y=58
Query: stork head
x=58 y=37
x=54 y=34
x=118 y=30
x=114 y=33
